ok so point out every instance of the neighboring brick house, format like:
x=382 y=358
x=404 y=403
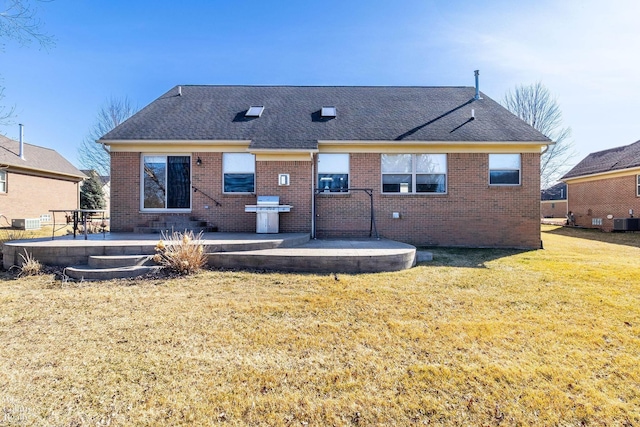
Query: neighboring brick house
x=604 y=186
x=34 y=180
x=553 y=201
x=445 y=165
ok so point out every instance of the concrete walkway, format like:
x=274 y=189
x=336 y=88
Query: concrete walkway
x=293 y=252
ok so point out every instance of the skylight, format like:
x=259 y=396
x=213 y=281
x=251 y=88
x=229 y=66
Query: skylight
x=254 y=111
x=328 y=112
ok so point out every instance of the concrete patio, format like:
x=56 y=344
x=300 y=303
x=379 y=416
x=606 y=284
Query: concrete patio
x=292 y=252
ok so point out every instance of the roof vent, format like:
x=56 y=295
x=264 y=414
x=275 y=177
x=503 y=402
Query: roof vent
x=328 y=112
x=254 y=111
x=477 y=74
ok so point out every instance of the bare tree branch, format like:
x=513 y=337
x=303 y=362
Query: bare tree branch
x=6 y=113
x=93 y=155
x=19 y=22
x=535 y=105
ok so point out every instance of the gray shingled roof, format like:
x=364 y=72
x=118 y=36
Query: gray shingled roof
x=556 y=192
x=291 y=118
x=36 y=158
x=613 y=159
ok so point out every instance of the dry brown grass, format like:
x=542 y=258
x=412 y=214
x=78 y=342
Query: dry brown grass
x=7 y=234
x=478 y=337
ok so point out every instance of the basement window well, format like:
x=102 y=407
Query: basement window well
x=254 y=111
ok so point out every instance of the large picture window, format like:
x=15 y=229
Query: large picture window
x=239 y=171
x=333 y=172
x=3 y=181
x=504 y=169
x=414 y=173
x=166 y=182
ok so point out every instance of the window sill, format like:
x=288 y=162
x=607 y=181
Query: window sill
x=334 y=194
x=414 y=194
x=165 y=210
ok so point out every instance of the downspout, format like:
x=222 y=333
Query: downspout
x=313 y=197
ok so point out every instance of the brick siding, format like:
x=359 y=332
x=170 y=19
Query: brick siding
x=472 y=213
x=600 y=198
x=29 y=196
x=553 y=209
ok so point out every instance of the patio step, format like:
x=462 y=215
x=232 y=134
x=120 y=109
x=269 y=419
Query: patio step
x=115 y=261
x=89 y=273
x=168 y=224
x=107 y=267
x=169 y=229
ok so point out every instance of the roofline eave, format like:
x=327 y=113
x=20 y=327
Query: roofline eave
x=43 y=172
x=173 y=141
x=627 y=171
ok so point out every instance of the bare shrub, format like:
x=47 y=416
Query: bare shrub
x=182 y=253
x=30 y=266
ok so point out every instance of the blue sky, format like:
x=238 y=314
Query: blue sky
x=587 y=53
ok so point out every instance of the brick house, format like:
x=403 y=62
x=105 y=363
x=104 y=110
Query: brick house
x=444 y=165
x=604 y=186
x=34 y=180
x=553 y=201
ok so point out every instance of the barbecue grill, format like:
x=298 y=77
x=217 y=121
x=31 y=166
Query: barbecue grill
x=267 y=209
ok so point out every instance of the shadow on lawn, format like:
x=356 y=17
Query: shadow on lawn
x=468 y=257
x=628 y=238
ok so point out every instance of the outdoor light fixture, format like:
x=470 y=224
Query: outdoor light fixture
x=199 y=161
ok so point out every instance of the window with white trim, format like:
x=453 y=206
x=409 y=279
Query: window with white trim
x=166 y=182
x=414 y=173
x=638 y=186
x=239 y=172
x=504 y=169
x=333 y=172
x=3 y=181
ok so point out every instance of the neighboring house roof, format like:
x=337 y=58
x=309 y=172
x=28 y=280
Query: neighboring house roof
x=618 y=158
x=556 y=192
x=104 y=180
x=291 y=119
x=38 y=159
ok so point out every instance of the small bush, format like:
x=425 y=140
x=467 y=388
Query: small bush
x=182 y=253
x=30 y=266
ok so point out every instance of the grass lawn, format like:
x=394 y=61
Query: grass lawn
x=476 y=337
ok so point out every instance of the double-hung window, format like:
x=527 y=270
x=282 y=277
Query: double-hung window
x=504 y=169
x=166 y=182
x=414 y=173
x=239 y=172
x=3 y=181
x=333 y=172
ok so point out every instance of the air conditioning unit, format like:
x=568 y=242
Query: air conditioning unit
x=626 y=224
x=26 y=223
